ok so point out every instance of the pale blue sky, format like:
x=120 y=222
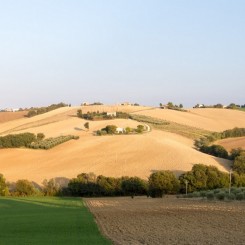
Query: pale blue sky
x=185 y=51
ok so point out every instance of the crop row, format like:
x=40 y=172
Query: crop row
x=51 y=142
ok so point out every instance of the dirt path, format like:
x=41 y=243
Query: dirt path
x=169 y=220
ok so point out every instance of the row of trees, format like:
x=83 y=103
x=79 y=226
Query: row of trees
x=201 y=177
x=219 y=105
x=41 y=110
x=96 y=115
x=204 y=144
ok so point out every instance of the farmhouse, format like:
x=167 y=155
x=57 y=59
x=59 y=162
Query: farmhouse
x=120 y=130
x=85 y=103
x=111 y=114
x=126 y=103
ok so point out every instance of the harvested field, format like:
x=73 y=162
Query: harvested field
x=132 y=155
x=169 y=221
x=232 y=143
x=10 y=116
x=121 y=155
x=208 y=119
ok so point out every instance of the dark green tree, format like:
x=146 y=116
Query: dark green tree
x=162 y=182
x=134 y=186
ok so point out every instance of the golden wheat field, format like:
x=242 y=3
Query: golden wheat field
x=205 y=118
x=132 y=155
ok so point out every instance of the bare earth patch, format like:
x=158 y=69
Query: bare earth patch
x=232 y=143
x=10 y=116
x=169 y=220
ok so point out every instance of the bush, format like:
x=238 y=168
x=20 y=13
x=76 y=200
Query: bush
x=17 y=140
x=210 y=195
x=220 y=195
x=231 y=196
x=24 y=188
x=240 y=196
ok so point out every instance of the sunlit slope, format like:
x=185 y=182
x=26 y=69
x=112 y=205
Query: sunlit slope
x=132 y=155
x=136 y=155
x=58 y=115
x=208 y=119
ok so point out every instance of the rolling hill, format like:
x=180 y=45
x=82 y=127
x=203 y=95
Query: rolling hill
x=132 y=155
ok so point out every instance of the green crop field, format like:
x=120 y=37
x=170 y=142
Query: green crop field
x=47 y=220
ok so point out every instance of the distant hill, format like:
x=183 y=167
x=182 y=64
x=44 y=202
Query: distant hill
x=132 y=155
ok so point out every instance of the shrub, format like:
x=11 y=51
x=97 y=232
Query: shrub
x=220 y=195
x=231 y=196
x=210 y=195
x=24 y=188
x=240 y=196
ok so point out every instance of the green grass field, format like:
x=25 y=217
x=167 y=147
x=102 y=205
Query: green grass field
x=47 y=220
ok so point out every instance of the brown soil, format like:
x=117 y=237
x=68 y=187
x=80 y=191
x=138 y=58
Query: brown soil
x=10 y=116
x=169 y=220
x=232 y=143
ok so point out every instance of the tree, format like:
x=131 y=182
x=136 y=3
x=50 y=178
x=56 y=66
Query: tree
x=162 y=182
x=140 y=129
x=236 y=152
x=170 y=105
x=24 y=188
x=239 y=164
x=3 y=186
x=134 y=186
x=40 y=136
x=203 y=177
x=110 y=129
x=109 y=186
x=180 y=105
x=50 y=188
x=86 y=125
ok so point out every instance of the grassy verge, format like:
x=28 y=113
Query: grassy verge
x=46 y=220
x=172 y=127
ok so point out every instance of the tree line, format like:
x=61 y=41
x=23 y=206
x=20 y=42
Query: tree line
x=204 y=143
x=159 y=183
x=41 y=110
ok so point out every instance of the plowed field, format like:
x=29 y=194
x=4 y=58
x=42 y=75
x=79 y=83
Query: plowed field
x=169 y=221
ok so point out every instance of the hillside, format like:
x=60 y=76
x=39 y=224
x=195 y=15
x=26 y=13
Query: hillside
x=208 y=119
x=131 y=155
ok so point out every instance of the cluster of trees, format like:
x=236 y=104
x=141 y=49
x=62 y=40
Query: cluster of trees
x=37 y=111
x=33 y=141
x=96 y=115
x=219 y=105
x=171 y=106
x=18 y=140
x=203 y=144
x=200 y=178
x=112 y=129
x=51 y=142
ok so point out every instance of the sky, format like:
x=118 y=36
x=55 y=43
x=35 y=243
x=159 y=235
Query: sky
x=112 y=51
